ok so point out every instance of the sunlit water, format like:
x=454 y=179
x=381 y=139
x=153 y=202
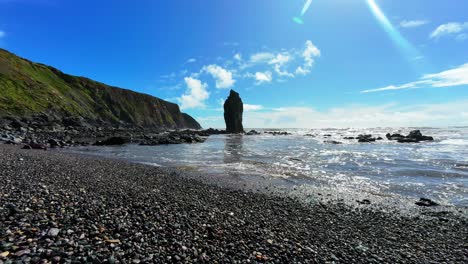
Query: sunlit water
x=436 y=170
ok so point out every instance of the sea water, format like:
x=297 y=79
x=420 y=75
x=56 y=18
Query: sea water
x=437 y=170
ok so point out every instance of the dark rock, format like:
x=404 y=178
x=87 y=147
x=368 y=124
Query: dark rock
x=278 y=133
x=414 y=136
x=309 y=135
x=12 y=209
x=408 y=140
x=212 y=131
x=113 y=141
x=417 y=135
x=365 y=138
x=365 y=201
x=233 y=110
x=349 y=138
x=174 y=138
x=53 y=143
x=27 y=147
x=332 y=142
x=252 y=133
x=426 y=202
x=34 y=145
x=394 y=136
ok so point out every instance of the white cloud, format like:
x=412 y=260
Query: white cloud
x=302 y=71
x=387 y=115
x=261 y=57
x=238 y=56
x=223 y=77
x=281 y=59
x=249 y=107
x=413 y=23
x=195 y=95
x=2 y=34
x=452 y=28
x=310 y=52
x=449 y=78
x=263 y=77
x=191 y=60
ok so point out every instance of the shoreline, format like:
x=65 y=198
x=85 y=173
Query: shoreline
x=59 y=206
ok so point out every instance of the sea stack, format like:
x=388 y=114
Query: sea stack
x=233 y=109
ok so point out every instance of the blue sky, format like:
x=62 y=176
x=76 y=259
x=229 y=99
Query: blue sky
x=353 y=63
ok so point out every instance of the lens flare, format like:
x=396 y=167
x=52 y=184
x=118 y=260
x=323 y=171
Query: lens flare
x=306 y=7
x=299 y=19
x=394 y=34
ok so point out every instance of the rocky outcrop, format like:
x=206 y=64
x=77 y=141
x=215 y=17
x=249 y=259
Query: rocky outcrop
x=36 y=94
x=414 y=136
x=233 y=110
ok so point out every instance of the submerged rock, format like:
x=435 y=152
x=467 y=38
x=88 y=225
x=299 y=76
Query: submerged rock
x=233 y=110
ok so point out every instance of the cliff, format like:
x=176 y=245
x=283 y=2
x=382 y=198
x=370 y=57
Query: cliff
x=30 y=89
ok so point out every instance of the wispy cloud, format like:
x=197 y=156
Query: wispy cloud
x=456 y=29
x=413 y=23
x=449 y=78
x=250 y=107
x=191 y=60
x=261 y=57
x=195 y=95
x=2 y=34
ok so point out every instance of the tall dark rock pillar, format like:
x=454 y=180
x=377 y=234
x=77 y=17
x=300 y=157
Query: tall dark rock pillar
x=233 y=109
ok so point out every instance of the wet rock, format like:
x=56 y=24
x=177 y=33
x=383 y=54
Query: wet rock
x=408 y=140
x=426 y=202
x=394 y=136
x=417 y=135
x=365 y=138
x=174 y=138
x=252 y=133
x=332 y=142
x=414 y=136
x=278 y=133
x=233 y=110
x=212 y=131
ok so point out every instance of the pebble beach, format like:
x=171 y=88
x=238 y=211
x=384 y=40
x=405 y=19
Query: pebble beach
x=59 y=207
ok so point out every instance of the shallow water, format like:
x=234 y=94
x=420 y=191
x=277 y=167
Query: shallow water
x=436 y=170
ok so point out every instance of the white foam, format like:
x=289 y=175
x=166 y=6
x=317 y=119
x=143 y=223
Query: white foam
x=459 y=142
